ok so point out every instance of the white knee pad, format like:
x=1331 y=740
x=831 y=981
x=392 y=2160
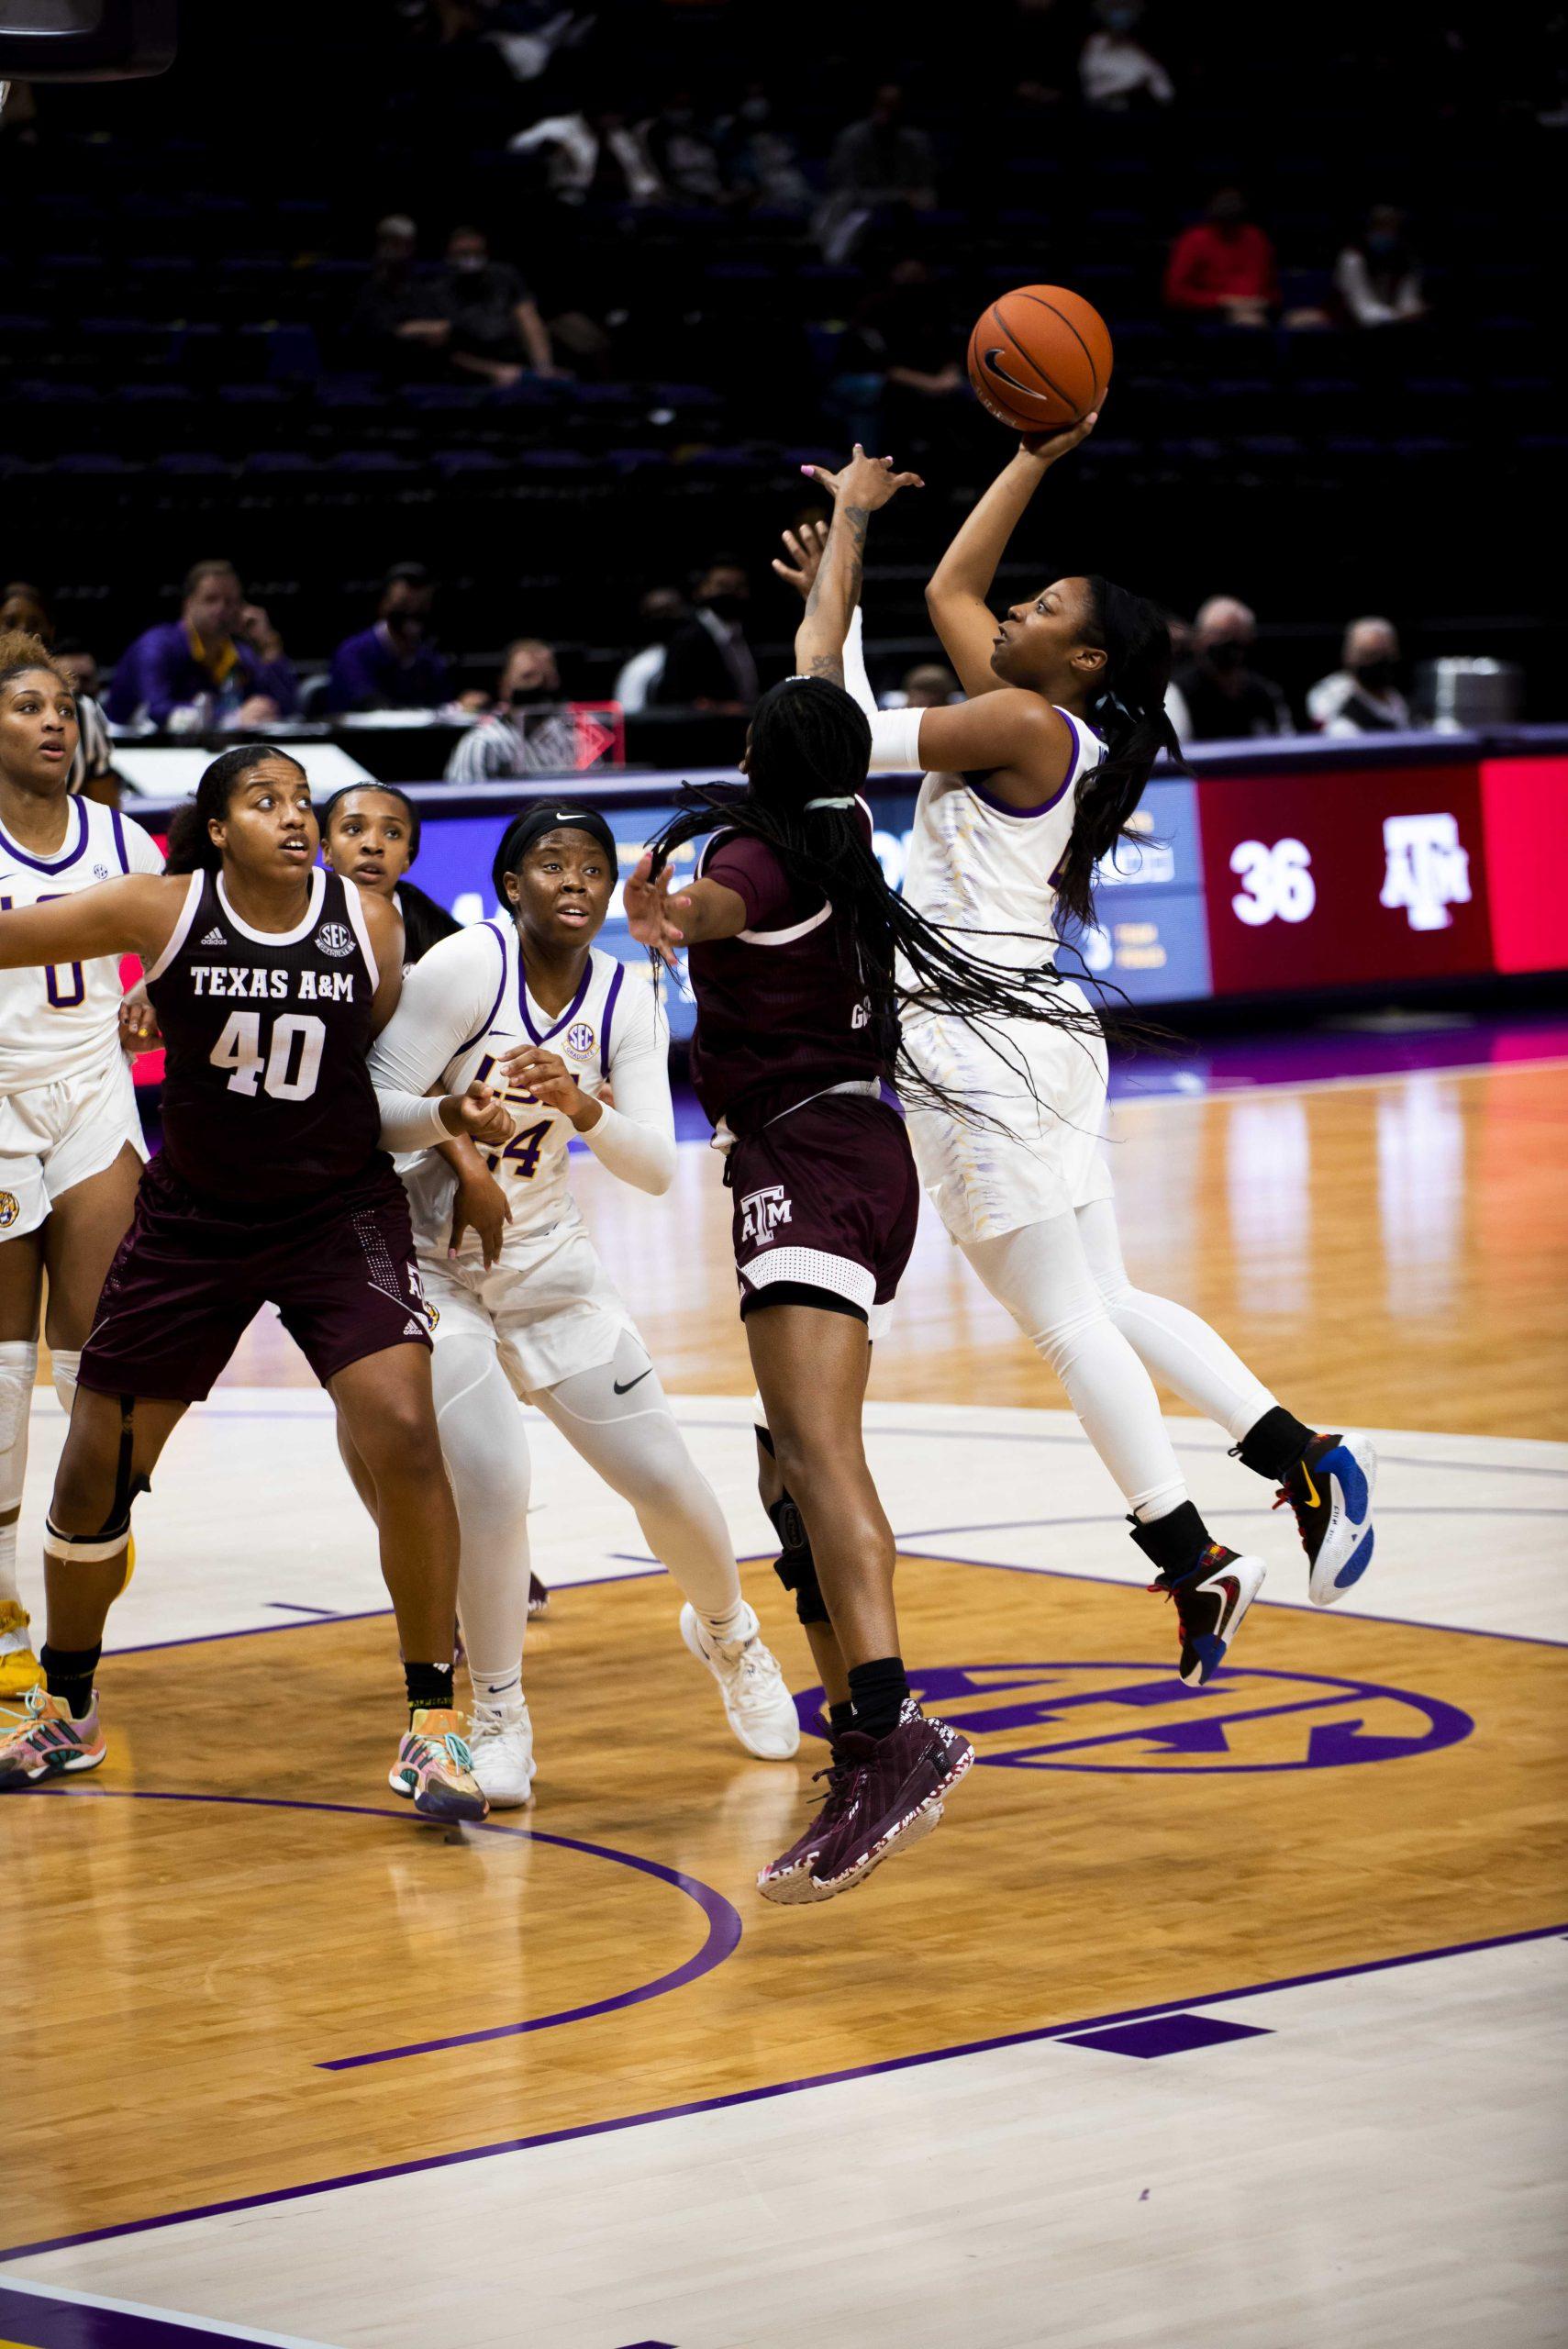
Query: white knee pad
x=86 y=1549
x=18 y=1368
x=67 y=1364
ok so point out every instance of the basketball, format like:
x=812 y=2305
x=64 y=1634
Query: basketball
x=1039 y=358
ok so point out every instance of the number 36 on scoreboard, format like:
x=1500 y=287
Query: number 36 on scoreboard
x=1277 y=882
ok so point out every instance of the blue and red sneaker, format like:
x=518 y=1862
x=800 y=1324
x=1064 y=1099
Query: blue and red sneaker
x=1210 y=1602
x=1330 y=1489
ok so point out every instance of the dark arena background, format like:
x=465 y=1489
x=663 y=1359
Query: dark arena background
x=427 y=388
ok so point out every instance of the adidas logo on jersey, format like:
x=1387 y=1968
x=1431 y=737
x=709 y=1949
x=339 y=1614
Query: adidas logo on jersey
x=412 y=1328
x=215 y=937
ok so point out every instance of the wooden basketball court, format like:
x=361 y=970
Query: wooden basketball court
x=1222 y=2014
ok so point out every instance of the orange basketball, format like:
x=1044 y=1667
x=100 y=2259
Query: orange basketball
x=1040 y=359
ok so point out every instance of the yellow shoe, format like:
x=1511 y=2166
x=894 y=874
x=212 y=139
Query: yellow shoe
x=435 y=1769
x=20 y=1667
x=130 y=1566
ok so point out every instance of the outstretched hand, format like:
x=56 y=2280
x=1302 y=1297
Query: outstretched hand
x=865 y=482
x=650 y=909
x=806 y=548
x=1046 y=448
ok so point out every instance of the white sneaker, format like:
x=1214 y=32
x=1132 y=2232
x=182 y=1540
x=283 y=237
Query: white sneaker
x=501 y=1746
x=758 y=1706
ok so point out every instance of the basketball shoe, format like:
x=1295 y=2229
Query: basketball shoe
x=1330 y=1490
x=20 y=1667
x=50 y=1743
x=500 y=1749
x=1210 y=1601
x=885 y=1795
x=757 y=1705
x=435 y=1770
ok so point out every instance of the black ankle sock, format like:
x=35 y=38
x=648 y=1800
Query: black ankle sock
x=877 y=1692
x=1174 y=1543
x=68 y=1675
x=429 y=1687
x=841 y=1716
x=1274 y=1445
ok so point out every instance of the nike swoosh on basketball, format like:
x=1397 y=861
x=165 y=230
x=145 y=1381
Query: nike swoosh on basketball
x=632 y=1382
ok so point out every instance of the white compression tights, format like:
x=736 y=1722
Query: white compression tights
x=19 y=1364
x=630 y=1440
x=1066 y=1285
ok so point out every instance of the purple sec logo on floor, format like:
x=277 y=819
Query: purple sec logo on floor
x=1138 y=1717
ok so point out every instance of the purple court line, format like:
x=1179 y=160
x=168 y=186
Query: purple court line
x=295 y=1606
x=1111 y=1517
x=724 y=1928
x=766 y=2095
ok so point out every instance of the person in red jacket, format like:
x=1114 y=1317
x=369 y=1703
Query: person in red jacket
x=1223 y=266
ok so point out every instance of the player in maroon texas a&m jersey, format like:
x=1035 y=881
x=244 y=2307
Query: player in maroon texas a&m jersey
x=269 y=977
x=801 y=956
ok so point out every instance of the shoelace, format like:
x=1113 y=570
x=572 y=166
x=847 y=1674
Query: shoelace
x=453 y=1746
x=1285 y=1499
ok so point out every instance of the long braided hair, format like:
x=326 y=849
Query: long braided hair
x=810 y=751
x=1130 y=714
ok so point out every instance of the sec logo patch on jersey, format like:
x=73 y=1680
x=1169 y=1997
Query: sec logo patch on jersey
x=10 y=1208
x=580 y=1040
x=333 y=938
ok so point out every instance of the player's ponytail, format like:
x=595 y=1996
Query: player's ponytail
x=191 y=848
x=1130 y=713
x=807 y=762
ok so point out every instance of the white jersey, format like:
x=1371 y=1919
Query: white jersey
x=977 y=864
x=465 y=1005
x=65 y=1021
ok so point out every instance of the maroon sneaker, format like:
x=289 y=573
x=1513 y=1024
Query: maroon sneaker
x=884 y=1795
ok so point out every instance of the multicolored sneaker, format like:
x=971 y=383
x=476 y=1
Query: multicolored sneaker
x=501 y=1752
x=885 y=1795
x=1330 y=1490
x=757 y=1705
x=20 y=1667
x=538 y=1594
x=50 y=1743
x=1210 y=1603
x=435 y=1769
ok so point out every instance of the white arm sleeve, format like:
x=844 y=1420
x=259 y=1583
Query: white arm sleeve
x=447 y=1001
x=896 y=741
x=856 y=683
x=636 y=1140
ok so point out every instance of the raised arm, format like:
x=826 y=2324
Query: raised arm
x=133 y=916
x=961 y=582
x=864 y=485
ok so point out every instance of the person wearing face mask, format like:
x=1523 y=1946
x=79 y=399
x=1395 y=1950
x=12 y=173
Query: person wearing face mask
x=1363 y=695
x=683 y=153
x=663 y=612
x=392 y=665
x=1223 y=266
x=1224 y=698
x=528 y=732
x=760 y=158
x=709 y=663
x=1117 y=74
x=1377 y=277
x=497 y=330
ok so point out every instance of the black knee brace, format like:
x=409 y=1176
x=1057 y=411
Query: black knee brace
x=797 y=1568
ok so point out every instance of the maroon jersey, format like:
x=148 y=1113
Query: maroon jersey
x=266 y=1091
x=782 y=1008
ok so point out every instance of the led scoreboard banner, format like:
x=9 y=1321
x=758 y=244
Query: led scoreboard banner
x=1273 y=870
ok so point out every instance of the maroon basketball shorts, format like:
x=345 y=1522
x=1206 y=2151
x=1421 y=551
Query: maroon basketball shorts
x=193 y=1273
x=826 y=1204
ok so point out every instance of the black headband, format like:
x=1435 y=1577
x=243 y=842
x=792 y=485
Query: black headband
x=547 y=816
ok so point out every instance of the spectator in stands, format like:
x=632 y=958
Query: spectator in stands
x=877 y=164
x=760 y=158
x=23 y=608
x=709 y=663
x=906 y=330
x=1117 y=74
x=593 y=157
x=220 y=664
x=1223 y=267
x=930 y=685
x=1363 y=696
x=683 y=152
x=1224 y=699
x=530 y=732
x=398 y=312
x=496 y=330
x=663 y=612
x=1376 y=276
x=1041 y=46
x=393 y=665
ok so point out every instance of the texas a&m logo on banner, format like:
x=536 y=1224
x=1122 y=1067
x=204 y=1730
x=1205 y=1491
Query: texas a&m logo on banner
x=1335 y=879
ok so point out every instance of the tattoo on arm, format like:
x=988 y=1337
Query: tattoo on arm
x=855 y=519
x=826 y=664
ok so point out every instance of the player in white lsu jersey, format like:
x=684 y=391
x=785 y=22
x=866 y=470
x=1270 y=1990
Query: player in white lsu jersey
x=1028 y=784
x=70 y=1146
x=532 y=1008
